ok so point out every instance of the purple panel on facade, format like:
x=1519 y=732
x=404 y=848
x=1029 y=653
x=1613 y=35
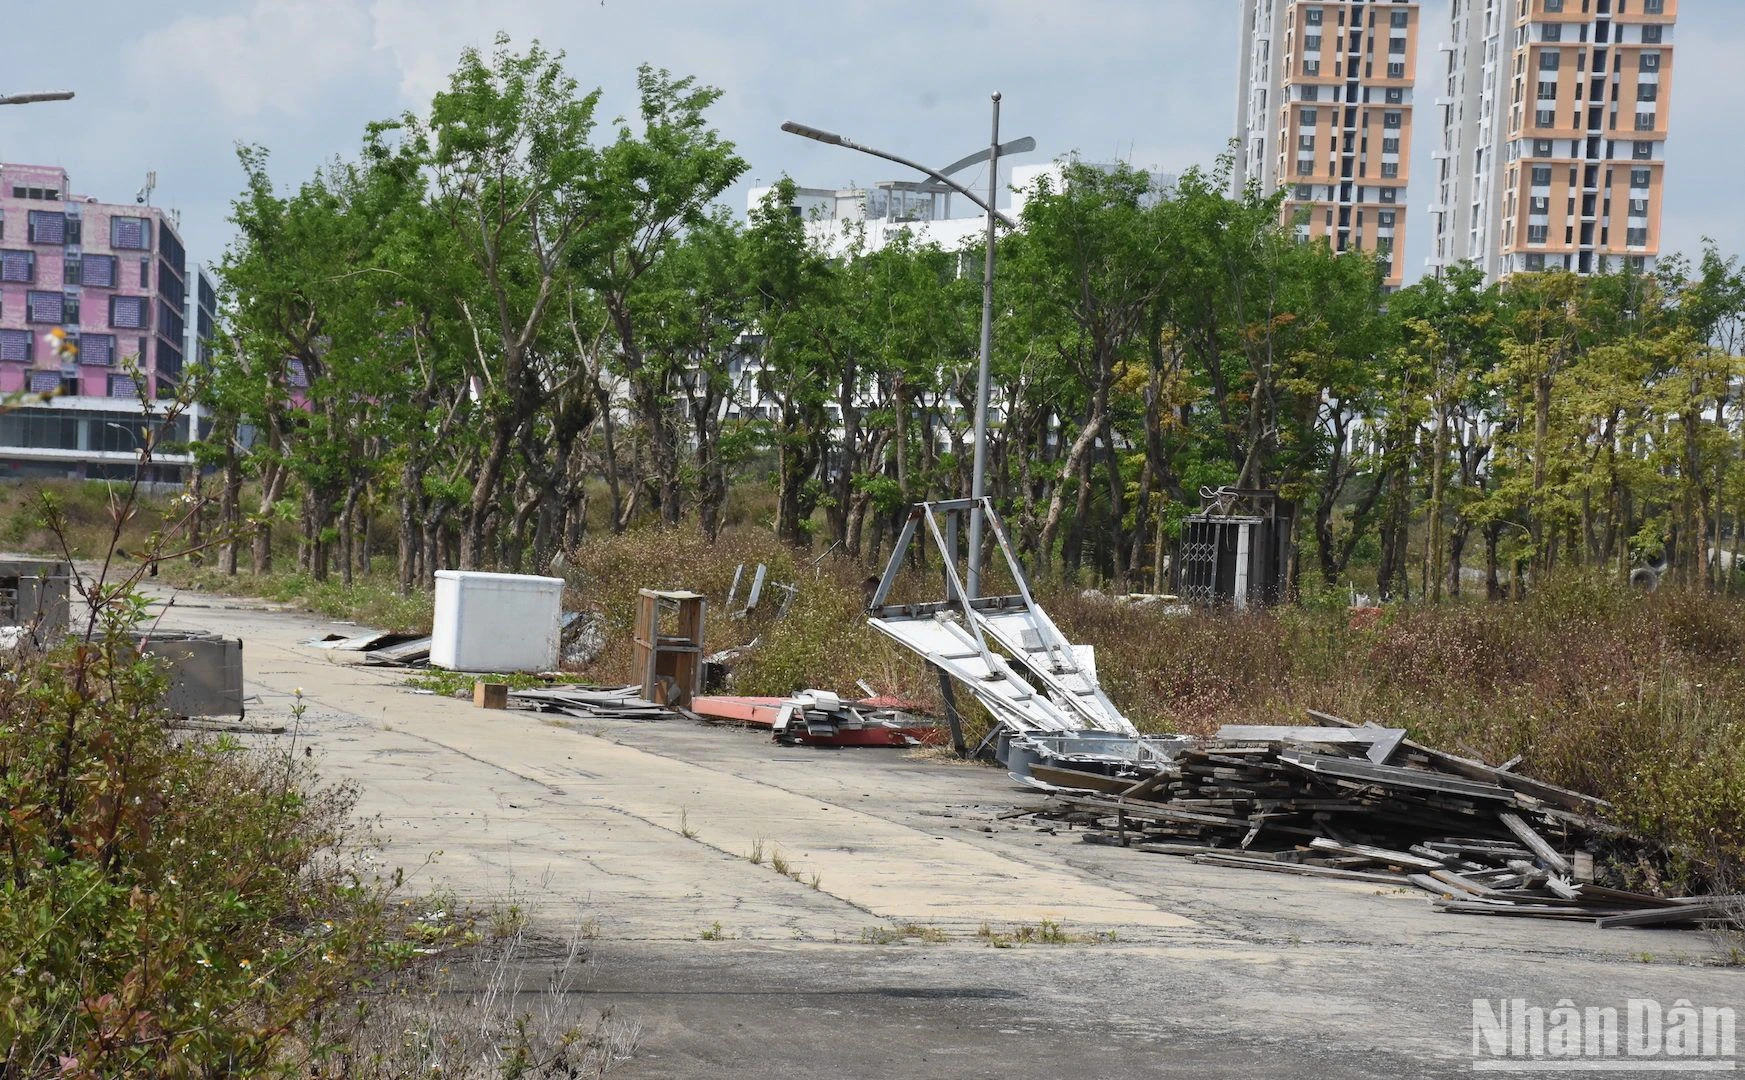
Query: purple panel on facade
x=15 y=345
x=45 y=382
x=127 y=311
x=17 y=266
x=97 y=349
x=123 y=386
x=129 y=233
x=99 y=270
x=48 y=227
x=296 y=374
x=45 y=307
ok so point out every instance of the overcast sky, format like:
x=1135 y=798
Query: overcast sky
x=174 y=86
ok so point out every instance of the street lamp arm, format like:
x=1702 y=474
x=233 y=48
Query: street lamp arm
x=29 y=99
x=837 y=140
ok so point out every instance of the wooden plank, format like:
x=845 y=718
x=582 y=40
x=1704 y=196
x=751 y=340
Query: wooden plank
x=1301 y=869
x=1528 y=911
x=1587 y=890
x=1535 y=843
x=1659 y=916
x=1081 y=780
x=1379 y=854
x=1394 y=776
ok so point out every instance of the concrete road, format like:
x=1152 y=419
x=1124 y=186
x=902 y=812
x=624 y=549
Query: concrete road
x=666 y=838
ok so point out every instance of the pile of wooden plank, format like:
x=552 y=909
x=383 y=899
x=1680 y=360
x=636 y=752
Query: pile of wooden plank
x=1364 y=803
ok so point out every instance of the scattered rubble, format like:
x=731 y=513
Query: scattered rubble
x=1364 y=803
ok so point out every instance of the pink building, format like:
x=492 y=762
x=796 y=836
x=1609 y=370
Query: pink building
x=114 y=279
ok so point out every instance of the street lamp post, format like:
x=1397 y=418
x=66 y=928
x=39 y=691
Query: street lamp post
x=942 y=177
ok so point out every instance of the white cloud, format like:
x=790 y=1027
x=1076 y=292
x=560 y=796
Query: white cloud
x=276 y=55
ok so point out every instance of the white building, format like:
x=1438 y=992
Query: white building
x=842 y=219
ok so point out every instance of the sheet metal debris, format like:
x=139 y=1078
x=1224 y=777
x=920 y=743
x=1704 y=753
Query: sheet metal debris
x=1041 y=690
x=1364 y=803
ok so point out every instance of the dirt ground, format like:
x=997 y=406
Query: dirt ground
x=646 y=831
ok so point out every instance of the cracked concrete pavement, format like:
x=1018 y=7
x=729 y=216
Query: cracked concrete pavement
x=647 y=829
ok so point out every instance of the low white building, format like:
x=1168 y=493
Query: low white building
x=871 y=217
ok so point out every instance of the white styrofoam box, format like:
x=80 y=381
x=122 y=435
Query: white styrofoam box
x=496 y=622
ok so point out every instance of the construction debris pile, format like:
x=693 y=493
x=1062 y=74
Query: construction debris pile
x=1366 y=804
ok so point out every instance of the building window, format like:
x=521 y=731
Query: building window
x=1311 y=67
x=16 y=345
x=1651 y=35
x=18 y=266
x=1650 y=61
x=1399 y=19
x=1553 y=5
x=1547 y=91
x=1638 y=207
x=1545 y=118
x=1539 y=204
x=1636 y=238
x=1305 y=191
x=1553 y=31
x=1305 y=167
x=1654 y=7
x=1305 y=142
x=48 y=227
x=130 y=234
x=1390 y=146
x=1390 y=119
x=123 y=386
x=1647 y=91
x=1535 y=263
x=1390 y=169
x=1312 y=16
x=1639 y=178
x=97 y=350
x=1541 y=176
x=44 y=307
x=1385 y=219
x=129 y=312
x=1396 y=71
x=100 y=271
x=1644 y=121
x=1549 y=59
x=1389 y=194
x=1309 y=93
x=1312 y=42
x=1397 y=46
x=1308 y=116
x=1642 y=151
x=1396 y=95
x=145 y=273
x=1538 y=234
x=70 y=307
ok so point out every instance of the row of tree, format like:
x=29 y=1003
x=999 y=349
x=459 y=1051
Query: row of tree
x=494 y=317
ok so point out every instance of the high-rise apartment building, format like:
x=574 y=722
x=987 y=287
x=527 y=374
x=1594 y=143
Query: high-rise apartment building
x=1554 y=123
x=112 y=278
x=1324 y=111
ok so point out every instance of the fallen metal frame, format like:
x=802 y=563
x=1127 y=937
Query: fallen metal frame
x=1041 y=690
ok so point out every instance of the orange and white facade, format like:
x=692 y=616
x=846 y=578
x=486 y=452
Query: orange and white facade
x=1553 y=145
x=1324 y=111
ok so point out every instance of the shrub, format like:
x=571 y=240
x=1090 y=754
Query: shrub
x=168 y=905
